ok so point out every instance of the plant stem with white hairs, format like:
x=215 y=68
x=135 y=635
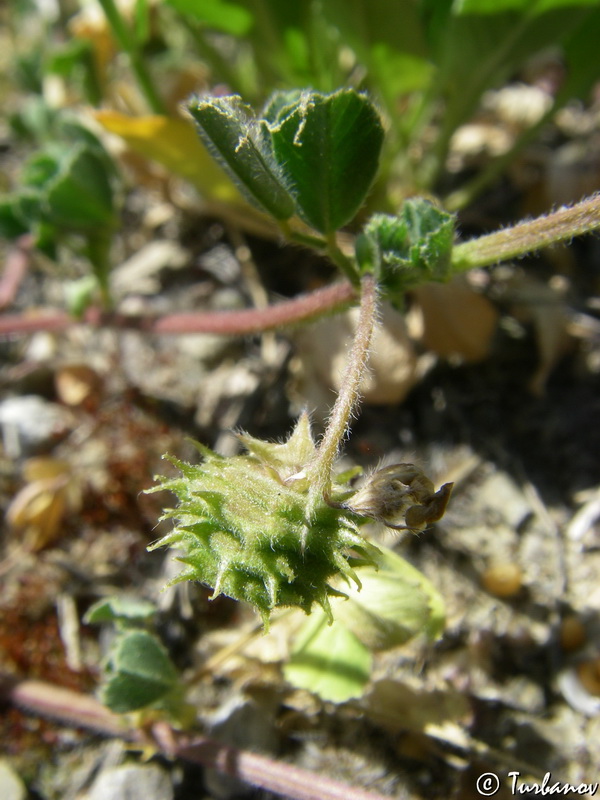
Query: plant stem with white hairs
x=337 y=426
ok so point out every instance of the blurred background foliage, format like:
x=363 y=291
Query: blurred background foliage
x=427 y=63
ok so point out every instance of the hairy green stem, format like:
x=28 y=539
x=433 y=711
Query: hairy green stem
x=128 y=43
x=320 y=470
x=328 y=245
x=342 y=261
x=528 y=236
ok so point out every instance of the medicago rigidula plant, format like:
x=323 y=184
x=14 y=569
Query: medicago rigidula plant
x=275 y=526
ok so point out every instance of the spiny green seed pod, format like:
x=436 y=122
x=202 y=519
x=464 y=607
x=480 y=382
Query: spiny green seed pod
x=244 y=529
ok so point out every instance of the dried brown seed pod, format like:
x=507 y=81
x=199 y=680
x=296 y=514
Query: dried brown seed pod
x=400 y=496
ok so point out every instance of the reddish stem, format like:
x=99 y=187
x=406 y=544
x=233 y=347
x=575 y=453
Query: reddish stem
x=72 y=708
x=245 y=321
x=15 y=269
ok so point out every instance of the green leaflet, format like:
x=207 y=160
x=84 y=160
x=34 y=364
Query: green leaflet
x=139 y=672
x=329 y=661
x=330 y=147
x=233 y=137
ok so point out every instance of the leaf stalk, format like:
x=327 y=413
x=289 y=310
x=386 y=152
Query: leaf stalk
x=128 y=43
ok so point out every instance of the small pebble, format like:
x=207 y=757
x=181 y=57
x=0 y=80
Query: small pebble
x=30 y=423
x=132 y=782
x=503 y=580
x=572 y=634
x=76 y=383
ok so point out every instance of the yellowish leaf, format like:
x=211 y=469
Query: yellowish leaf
x=173 y=143
x=38 y=509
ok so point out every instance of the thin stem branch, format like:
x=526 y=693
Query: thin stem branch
x=342 y=261
x=225 y=323
x=128 y=43
x=328 y=245
x=82 y=711
x=348 y=397
x=211 y=55
x=303 y=238
x=461 y=102
x=528 y=236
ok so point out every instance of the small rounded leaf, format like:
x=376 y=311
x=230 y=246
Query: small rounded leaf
x=140 y=673
x=119 y=609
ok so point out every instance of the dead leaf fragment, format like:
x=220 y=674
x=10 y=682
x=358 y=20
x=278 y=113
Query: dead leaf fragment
x=541 y=305
x=398 y=706
x=76 y=383
x=39 y=508
x=452 y=320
